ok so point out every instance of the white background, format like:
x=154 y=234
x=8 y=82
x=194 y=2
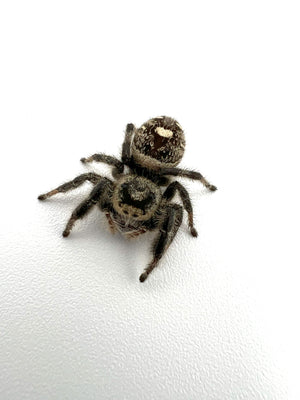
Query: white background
x=218 y=319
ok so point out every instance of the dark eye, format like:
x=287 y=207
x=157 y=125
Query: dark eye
x=135 y=215
x=125 y=212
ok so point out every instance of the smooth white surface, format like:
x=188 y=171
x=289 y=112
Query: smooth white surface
x=219 y=318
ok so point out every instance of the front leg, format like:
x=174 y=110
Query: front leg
x=168 y=229
x=97 y=194
x=75 y=183
x=184 y=173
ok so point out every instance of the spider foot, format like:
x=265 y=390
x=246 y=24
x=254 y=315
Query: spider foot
x=144 y=276
x=212 y=188
x=66 y=233
x=194 y=232
x=46 y=195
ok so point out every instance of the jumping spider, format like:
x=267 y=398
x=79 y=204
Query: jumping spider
x=134 y=203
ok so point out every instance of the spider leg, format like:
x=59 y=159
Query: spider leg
x=185 y=198
x=75 y=183
x=184 y=173
x=168 y=229
x=113 y=161
x=86 y=205
x=110 y=160
x=126 y=154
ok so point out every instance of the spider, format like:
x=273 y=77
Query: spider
x=134 y=203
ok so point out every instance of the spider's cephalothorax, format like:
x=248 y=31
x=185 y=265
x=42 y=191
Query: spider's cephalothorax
x=135 y=203
x=136 y=197
x=158 y=143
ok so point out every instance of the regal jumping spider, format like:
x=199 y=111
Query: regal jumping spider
x=134 y=203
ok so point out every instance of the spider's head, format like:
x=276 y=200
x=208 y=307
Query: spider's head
x=158 y=143
x=136 y=198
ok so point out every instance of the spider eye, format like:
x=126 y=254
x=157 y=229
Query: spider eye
x=125 y=212
x=135 y=215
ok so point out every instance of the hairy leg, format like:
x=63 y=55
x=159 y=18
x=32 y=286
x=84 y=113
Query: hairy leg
x=85 y=206
x=188 y=174
x=185 y=198
x=126 y=154
x=75 y=183
x=168 y=230
x=110 y=160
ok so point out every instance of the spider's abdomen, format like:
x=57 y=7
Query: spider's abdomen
x=159 y=142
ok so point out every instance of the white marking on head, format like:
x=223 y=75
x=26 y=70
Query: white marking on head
x=179 y=126
x=164 y=132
